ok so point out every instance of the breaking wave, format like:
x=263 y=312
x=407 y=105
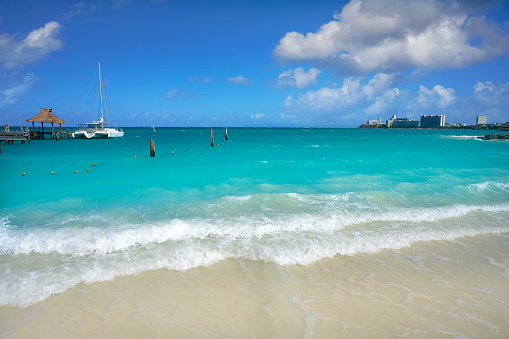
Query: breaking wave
x=42 y=261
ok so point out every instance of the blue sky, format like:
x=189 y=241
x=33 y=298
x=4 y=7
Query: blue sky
x=255 y=63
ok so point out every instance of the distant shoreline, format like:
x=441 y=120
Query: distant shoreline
x=469 y=128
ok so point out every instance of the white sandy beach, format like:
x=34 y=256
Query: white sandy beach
x=433 y=290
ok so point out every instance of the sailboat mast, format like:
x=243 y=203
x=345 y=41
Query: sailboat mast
x=101 y=93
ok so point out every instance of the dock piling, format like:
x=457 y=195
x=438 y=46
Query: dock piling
x=152 y=148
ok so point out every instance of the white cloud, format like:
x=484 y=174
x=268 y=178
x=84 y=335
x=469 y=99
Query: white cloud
x=480 y=86
x=379 y=83
x=491 y=97
x=351 y=102
x=438 y=97
x=257 y=116
x=298 y=77
x=392 y=35
x=12 y=94
x=288 y=101
x=39 y=43
x=239 y=80
x=180 y=92
x=351 y=93
x=383 y=102
x=487 y=99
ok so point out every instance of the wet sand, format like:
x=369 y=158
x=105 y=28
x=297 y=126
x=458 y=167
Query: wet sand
x=439 y=289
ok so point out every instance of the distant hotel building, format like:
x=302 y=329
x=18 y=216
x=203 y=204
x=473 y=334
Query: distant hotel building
x=402 y=122
x=432 y=121
x=375 y=122
x=455 y=124
x=480 y=120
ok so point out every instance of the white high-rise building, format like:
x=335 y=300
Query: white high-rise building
x=432 y=121
x=390 y=121
x=480 y=120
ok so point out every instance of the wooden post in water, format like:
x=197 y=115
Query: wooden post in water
x=33 y=128
x=211 y=137
x=52 y=132
x=226 y=133
x=152 y=148
x=69 y=134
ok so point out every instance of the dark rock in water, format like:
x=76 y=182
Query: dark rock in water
x=495 y=137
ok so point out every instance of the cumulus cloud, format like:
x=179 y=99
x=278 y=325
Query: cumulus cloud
x=488 y=98
x=39 y=43
x=356 y=99
x=480 y=86
x=383 y=102
x=437 y=97
x=392 y=35
x=180 y=92
x=298 y=77
x=377 y=84
x=239 y=80
x=12 y=94
x=351 y=93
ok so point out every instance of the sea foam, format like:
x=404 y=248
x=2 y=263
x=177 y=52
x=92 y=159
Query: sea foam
x=89 y=240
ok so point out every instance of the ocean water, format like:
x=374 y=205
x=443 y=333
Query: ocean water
x=271 y=223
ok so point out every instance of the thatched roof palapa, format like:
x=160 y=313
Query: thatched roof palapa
x=46 y=116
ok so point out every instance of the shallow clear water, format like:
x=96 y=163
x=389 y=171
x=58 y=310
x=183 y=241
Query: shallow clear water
x=278 y=196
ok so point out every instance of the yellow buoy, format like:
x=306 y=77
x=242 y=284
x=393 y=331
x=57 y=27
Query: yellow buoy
x=93 y=164
x=24 y=174
x=77 y=171
x=135 y=156
x=88 y=170
x=172 y=152
x=52 y=172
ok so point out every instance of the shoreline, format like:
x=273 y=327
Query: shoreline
x=431 y=289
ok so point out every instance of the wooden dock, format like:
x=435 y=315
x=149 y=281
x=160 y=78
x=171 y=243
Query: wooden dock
x=10 y=136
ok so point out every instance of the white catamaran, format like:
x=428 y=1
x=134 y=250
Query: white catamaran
x=96 y=129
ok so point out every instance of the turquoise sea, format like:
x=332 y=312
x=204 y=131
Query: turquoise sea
x=289 y=199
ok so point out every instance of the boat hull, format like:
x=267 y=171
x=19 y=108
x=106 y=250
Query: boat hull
x=102 y=133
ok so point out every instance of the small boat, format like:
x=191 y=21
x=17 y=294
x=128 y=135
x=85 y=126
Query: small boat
x=96 y=129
